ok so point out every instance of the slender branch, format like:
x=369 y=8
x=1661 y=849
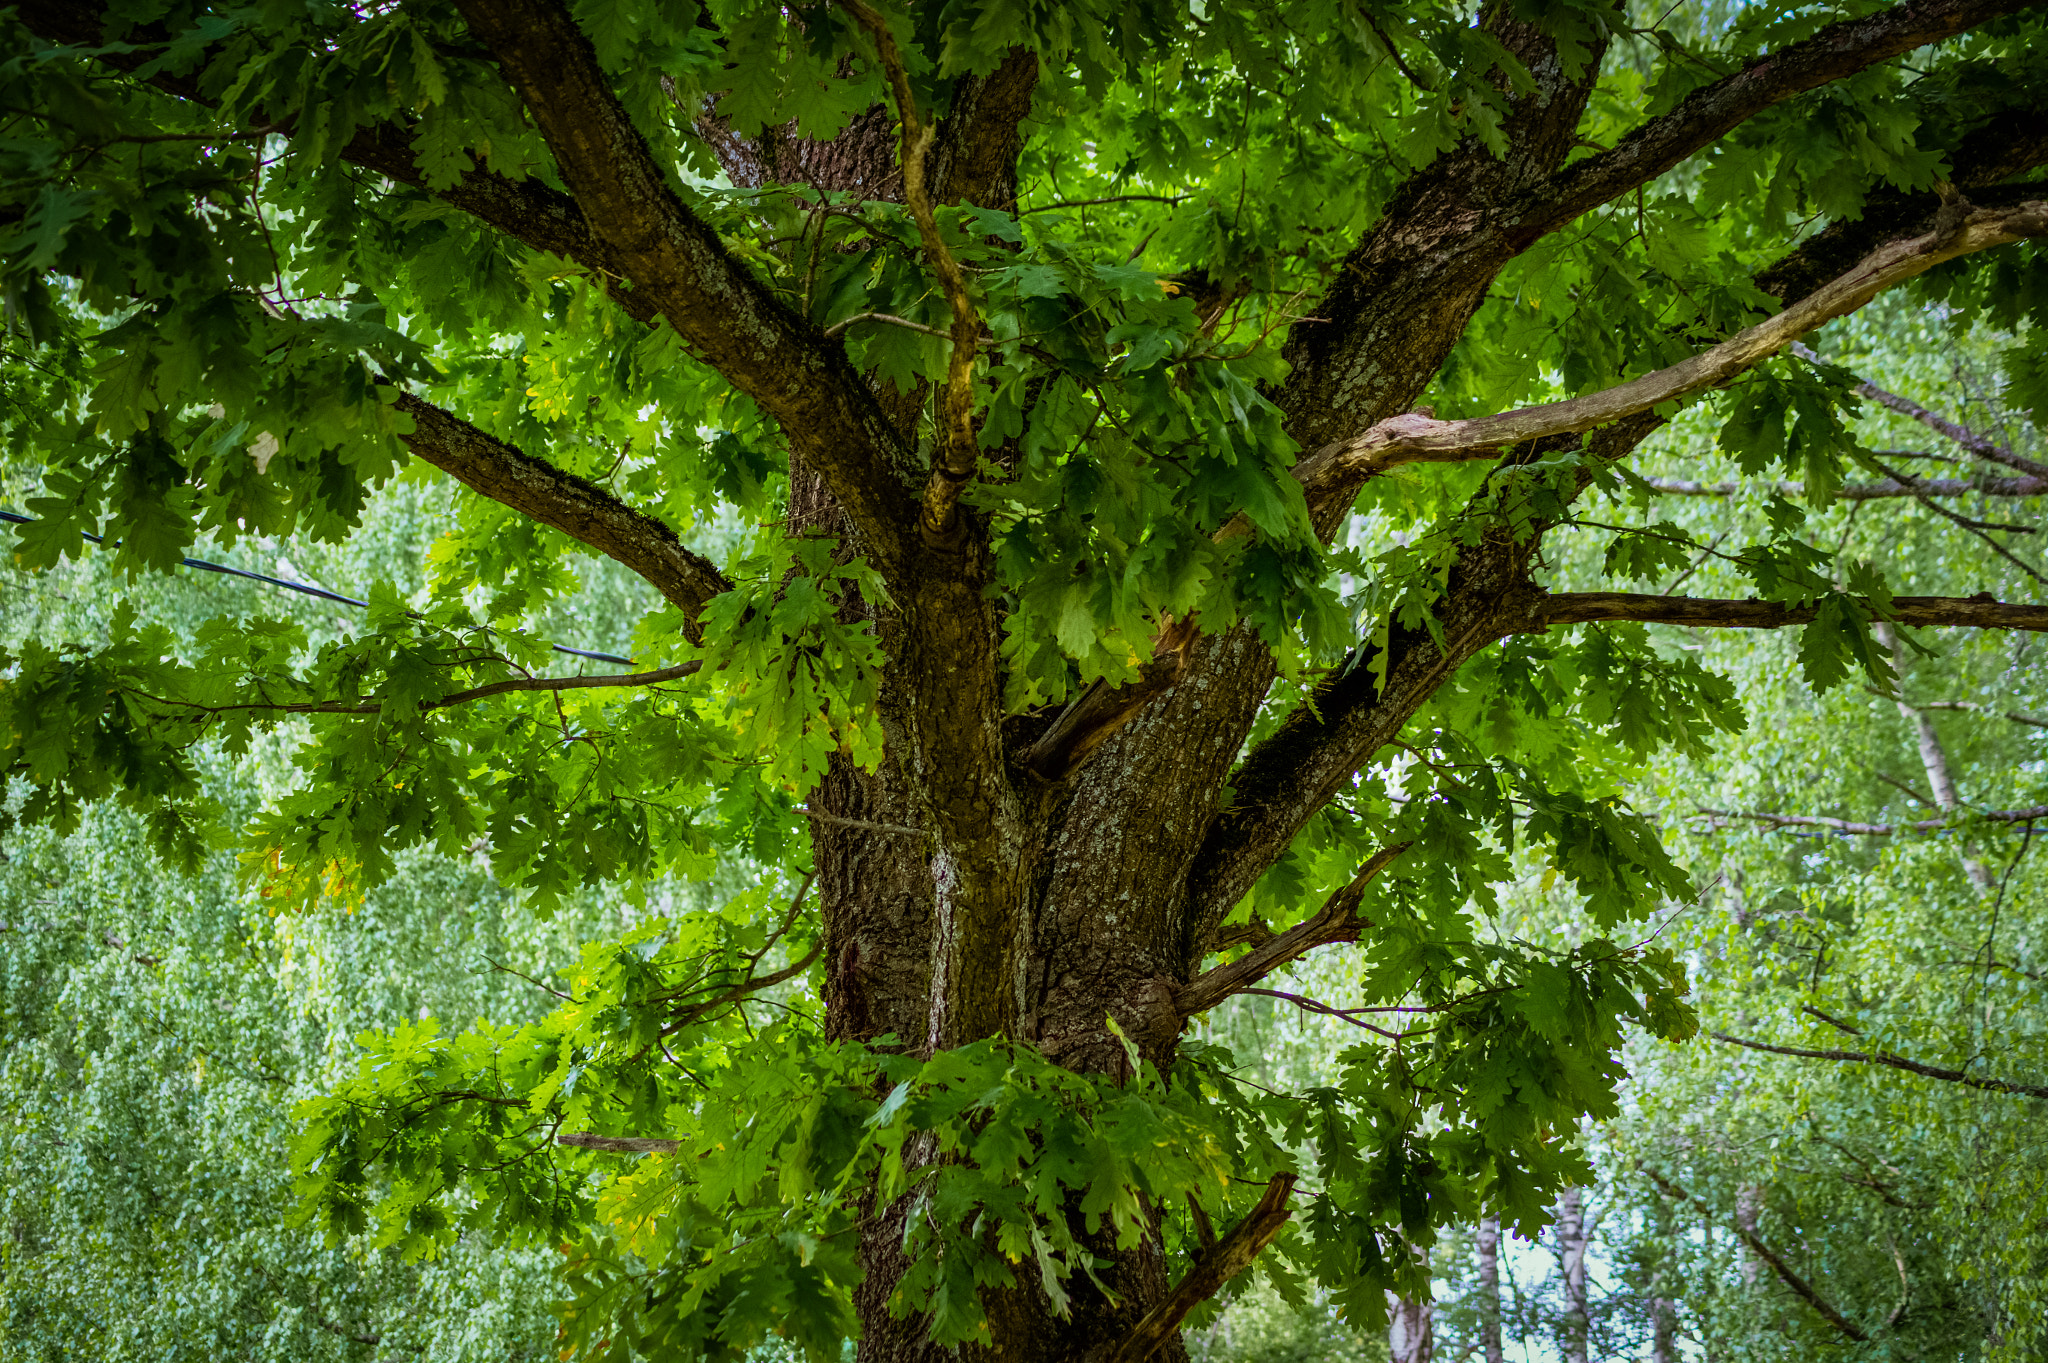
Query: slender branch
x=1413 y=437
x=867 y=824
x=1877 y=830
x=496 y=688
x=1863 y=492
x=954 y=464
x=1978 y=445
x=1108 y=199
x=1572 y=608
x=839 y=327
x=2013 y=715
x=1336 y=921
x=1213 y=1267
x=698 y=1012
x=1897 y=1062
x=1981 y=529
x=1803 y=1289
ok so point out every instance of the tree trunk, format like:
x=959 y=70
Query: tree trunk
x=1411 y=1337
x=1571 y=1248
x=1489 y=1288
x=1663 y=1330
x=1748 y=1198
x=963 y=897
x=1933 y=758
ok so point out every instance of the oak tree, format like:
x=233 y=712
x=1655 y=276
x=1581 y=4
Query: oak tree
x=1091 y=467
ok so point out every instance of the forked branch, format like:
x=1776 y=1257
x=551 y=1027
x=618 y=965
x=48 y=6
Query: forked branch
x=1981 y=446
x=618 y=1145
x=1214 y=1267
x=678 y=265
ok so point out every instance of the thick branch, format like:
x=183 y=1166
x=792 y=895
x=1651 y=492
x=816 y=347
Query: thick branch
x=1576 y=608
x=1710 y=112
x=1317 y=752
x=1213 y=1268
x=676 y=260
x=1897 y=1062
x=1878 y=830
x=1799 y=1285
x=1864 y=492
x=1413 y=436
x=1336 y=921
x=575 y=506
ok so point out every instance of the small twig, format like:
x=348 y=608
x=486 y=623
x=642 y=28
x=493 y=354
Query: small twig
x=528 y=978
x=1111 y=199
x=889 y=318
x=871 y=826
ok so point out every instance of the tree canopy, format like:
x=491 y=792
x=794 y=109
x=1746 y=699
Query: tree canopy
x=1089 y=506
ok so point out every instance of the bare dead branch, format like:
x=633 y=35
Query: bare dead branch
x=1413 y=437
x=2013 y=715
x=1976 y=444
x=1213 y=1268
x=1897 y=1062
x=1800 y=1287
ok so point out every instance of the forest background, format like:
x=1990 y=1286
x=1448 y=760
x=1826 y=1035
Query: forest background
x=160 y=1026
x=1847 y=1158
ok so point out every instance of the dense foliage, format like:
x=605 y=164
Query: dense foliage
x=988 y=445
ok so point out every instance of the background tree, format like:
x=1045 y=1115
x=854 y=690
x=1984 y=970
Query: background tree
x=1105 y=636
